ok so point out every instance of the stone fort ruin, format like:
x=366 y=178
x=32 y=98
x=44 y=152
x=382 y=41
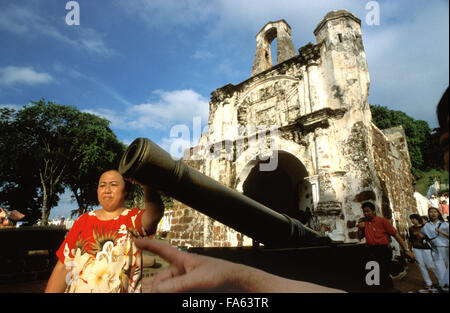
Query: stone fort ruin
x=329 y=155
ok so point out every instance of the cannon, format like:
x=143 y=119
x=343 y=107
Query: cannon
x=147 y=163
x=290 y=249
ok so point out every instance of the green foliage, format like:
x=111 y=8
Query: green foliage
x=425 y=179
x=47 y=147
x=100 y=151
x=17 y=183
x=423 y=143
x=135 y=198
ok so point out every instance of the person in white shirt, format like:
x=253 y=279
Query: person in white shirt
x=434 y=201
x=436 y=230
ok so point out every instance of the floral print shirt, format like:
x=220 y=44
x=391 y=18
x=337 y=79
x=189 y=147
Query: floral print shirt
x=101 y=255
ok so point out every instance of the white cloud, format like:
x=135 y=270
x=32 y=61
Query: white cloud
x=30 y=23
x=12 y=75
x=202 y=55
x=114 y=117
x=175 y=146
x=171 y=108
x=178 y=106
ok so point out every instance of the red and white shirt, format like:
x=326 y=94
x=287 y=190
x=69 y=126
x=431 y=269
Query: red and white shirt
x=101 y=255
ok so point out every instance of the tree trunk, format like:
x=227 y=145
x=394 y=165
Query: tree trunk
x=45 y=213
x=81 y=208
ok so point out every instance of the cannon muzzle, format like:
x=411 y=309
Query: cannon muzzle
x=148 y=164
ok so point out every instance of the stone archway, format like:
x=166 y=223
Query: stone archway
x=284 y=189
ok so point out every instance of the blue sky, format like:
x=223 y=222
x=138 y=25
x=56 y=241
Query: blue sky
x=148 y=65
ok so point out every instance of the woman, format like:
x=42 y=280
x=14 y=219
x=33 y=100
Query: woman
x=98 y=254
x=436 y=230
x=422 y=252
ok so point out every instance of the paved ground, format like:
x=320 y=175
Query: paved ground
x=410 y=283
x=413 y=280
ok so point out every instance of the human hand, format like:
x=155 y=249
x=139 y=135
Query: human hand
x=191 y=272
x=411 y=255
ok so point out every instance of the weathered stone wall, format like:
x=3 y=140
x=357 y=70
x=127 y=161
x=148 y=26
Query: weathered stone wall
x=393 y=168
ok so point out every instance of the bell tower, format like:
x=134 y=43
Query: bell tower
x=285 y=48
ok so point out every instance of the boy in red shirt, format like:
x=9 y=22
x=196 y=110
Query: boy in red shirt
x=378 y=231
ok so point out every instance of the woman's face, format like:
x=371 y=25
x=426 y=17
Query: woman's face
x=433 y=214
x=111 y=191
x=415 y=221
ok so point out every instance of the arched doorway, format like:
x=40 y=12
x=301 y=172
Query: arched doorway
x=284 y=189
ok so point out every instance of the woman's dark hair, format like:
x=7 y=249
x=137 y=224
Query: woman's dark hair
x=129 y=187
x=417 y=217
x=369 y=205
x=442 y=112
x=440 y=215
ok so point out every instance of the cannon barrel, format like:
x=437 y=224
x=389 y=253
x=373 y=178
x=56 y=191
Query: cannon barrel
x=147 y=163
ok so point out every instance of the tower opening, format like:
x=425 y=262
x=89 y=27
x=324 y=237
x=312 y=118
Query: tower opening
x=273 y=51
x=274 y=36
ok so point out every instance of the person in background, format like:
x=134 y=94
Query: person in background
x=436 y=231
x=422 y=252
x=434 y=201
x=98 y=254
x=378 y=231
x=444 y=207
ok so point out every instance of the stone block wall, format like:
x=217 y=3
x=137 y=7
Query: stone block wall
x=190 y=228
x=393 y=169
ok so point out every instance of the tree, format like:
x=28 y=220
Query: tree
x=52 y=146
x=100 y=150
x=422 y=142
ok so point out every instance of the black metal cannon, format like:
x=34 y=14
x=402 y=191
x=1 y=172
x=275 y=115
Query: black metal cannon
x=290 y=249
x=146 y=162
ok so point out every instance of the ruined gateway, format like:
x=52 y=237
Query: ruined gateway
x=330 y=157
